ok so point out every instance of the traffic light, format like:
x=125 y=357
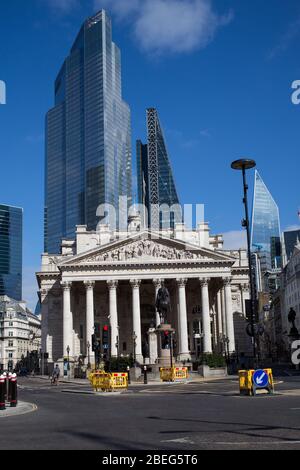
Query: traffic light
x=94 y=343
x=97 y=330
x=166 y=340
x=105 y=337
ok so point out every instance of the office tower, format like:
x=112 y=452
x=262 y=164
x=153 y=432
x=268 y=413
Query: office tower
x=11 y=236
x=265 y=233
x=265 y=237
x=156 y=186
x=88 y=133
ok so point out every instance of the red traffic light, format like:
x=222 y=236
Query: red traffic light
x=105 y=328
x=166 y=333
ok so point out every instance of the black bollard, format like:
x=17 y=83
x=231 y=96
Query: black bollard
x=2 y=392
x=14 y=391
x=8 y=380
x=128 y=373
x=145 y=375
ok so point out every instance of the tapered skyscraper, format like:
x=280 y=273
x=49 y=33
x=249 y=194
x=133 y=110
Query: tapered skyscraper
x=88 y=136
x=156 y=186
x=265 y=234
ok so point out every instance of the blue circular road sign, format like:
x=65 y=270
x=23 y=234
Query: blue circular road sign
x=260 y=378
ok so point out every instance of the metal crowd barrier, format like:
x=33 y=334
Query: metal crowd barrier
x=172 y=374
x=108 y=382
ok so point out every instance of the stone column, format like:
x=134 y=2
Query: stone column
x=157 y=283
x=136 y=313
x=207 y=342
x=223 y=306
x=229 y=314
x=113 y=313
x=219 y=310
x=184 y=353
x=67 y=320
x=90 y=318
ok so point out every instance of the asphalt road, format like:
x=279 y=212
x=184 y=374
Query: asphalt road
x=164 y=417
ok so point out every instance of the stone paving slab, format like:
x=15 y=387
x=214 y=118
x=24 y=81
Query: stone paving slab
x=21 y=409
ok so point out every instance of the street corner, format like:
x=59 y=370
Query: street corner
x=21 y=409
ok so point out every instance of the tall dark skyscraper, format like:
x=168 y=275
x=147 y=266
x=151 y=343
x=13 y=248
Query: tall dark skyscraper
x=88 y=133
x=11 y=236
x=156 y=186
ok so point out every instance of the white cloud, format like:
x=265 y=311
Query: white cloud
x=168 y=26
x=235 y=240
x=292 y=228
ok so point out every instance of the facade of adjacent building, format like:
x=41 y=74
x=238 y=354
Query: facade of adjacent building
x=20 y=333
x=265 y=237
x=11 y=237
x=88 y=136
x=156 y=185
x=289 y=241
x=112 y=278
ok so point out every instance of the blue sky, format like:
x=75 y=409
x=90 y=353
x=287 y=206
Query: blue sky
x=219 y=72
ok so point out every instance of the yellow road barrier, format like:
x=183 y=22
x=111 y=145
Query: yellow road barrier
x=108 y=382
x=171 y=374
x=247 y=386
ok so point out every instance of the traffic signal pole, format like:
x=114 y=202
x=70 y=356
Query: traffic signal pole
x=252 y=288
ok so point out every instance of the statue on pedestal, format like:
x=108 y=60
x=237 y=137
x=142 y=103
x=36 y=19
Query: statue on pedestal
x=292 y=319
x=162 y=304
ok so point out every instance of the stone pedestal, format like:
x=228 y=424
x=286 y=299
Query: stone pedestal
x=64 y=373
x=152 y=342
x=164 y=355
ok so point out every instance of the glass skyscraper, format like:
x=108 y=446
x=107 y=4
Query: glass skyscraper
x=88 y=144
x=265 y=233
x=11 y=236
x=156 y=186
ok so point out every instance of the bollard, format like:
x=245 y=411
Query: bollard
x=5 y=387
x=2 y=392
x=8 y=388
x=145 y=375
x=128 y=373
x=14 y=391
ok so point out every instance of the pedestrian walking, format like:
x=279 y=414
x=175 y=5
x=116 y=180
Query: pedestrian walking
x=55 y=375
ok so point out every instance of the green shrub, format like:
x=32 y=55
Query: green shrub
x=119 y=364
x=212 y=360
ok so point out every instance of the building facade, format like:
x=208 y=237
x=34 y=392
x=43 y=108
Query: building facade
x=88 y=136
x=113 y=278
x=289 y=241
x=156 y=185
x=11 y=240
x=20 y=333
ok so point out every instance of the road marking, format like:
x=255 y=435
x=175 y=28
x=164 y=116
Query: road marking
x=181 y=440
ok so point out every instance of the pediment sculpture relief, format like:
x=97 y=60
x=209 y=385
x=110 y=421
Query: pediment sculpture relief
x=144 y=248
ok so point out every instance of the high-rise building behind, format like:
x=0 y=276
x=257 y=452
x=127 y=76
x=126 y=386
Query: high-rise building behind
x=11 y=239
x=156 y=186
x=88 y=134
x=265 y=236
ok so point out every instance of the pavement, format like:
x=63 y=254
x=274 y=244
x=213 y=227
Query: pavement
x=191 y=416
x=21 y=409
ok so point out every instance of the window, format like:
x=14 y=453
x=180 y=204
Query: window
x=10 y=355
x=10 y=344
x=10 y=334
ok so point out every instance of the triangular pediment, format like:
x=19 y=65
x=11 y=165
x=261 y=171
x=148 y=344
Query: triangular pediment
x=147 y=246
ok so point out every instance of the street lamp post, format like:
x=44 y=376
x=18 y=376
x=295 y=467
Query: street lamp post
x=68 y=363
x=89 y=361
x=243 y=165
x=134 y=337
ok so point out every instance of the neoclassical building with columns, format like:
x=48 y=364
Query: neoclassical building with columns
x=112 y=278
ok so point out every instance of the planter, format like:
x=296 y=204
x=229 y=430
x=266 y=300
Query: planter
x=206 y=371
